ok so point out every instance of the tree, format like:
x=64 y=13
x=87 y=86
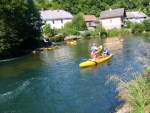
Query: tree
x=79 y=23
x=19 y=22
x=47 y=30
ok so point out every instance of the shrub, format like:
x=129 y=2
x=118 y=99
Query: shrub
x=113 y=32
x=147 y=25
x=69 y=32
x=137 y=27
x=47 y=30
x=58 y=38
x=128 y=24
x=86 y=34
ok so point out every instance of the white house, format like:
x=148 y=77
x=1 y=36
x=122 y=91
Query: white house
x=56 y=18
x=113 y=18
x=135 y=16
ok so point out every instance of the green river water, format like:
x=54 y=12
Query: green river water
x=51 y=81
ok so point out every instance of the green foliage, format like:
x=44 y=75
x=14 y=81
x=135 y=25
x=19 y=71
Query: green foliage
x=136 y=94
x=148 y=68
x=69 y=32
x=147 y=25
x=58 y=38
x=68 y=25
x=100 y=28
x=116 y=32
x=78 y=23
x=39 y=4
x=19 y=21
x=101 y=31
x=56 y=31
x=137 y=27
x=86 y=34
x=113 y=32
x=94 y=33
x=47 y=30
x=95 y=7
x=128 y=24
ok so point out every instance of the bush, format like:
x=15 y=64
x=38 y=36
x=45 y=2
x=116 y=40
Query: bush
x=147 y=25
x=47 y=30
x=86 y=34
x=137 y=27
x=113 y=32
x=69 y=32
x=57 y=38
x=128 y=24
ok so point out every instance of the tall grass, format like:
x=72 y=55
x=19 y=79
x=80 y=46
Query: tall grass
x=136 y=92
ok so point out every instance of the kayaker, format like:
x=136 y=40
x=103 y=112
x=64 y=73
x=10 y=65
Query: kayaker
x=94 y=55
x=120 y=38
x=106 y=52
x=94 y=48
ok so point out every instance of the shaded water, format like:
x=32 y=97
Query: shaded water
x=52 y=81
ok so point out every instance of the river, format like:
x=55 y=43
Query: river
x=51 y=81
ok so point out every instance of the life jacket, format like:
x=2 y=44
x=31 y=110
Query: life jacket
x=94 y=55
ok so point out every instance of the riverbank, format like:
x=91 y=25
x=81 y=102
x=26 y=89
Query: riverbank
x=15 y=55
x=126 y=108
x=135 y=94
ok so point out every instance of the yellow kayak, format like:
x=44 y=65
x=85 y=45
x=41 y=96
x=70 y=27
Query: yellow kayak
x=121 y=40
x=48 y=48
x=92 y=62
x=71 y=42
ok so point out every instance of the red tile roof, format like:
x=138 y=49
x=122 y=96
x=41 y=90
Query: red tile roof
x=89 y=17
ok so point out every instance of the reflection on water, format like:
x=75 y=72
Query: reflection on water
x=51 y=81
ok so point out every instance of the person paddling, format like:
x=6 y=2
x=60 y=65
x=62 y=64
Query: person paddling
x=94 y=54
x=94 y=48
x=106 y=52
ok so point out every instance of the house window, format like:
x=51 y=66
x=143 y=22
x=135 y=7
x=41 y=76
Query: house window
x=110 y=20
x=53 y=22
x=53 y=27
x=61 y=26
x=61 y=21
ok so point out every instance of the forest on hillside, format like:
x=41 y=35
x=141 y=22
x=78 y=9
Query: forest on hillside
x=94 y=7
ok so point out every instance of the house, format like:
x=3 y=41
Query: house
x=91 y=21
x=113 y=18
x=56 y=18
x=135 y=16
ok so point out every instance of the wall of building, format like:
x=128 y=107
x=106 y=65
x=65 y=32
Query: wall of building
x=138 y=20
x=111 y=23
x=57 y=23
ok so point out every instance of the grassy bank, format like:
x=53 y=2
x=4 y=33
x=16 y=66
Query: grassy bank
x=136 y=94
